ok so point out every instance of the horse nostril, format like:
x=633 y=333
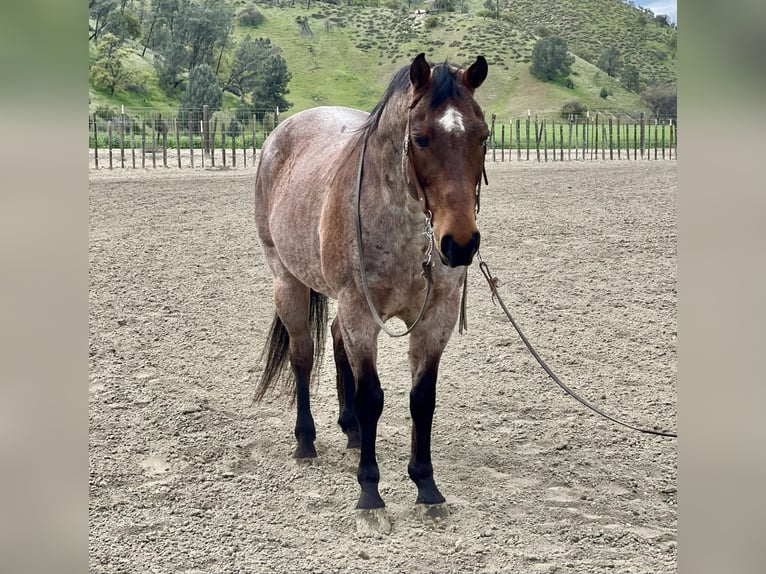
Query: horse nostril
x=455 y=254
x=475 y=241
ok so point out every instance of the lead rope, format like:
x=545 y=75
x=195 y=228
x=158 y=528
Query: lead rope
x=496 y=296
x=428 y=232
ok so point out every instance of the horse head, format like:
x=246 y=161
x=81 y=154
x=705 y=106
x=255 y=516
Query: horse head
x=444 y=147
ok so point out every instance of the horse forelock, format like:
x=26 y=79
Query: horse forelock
x=444 y=85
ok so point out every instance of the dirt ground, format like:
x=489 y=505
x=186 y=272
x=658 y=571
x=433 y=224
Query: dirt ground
x=188 y=475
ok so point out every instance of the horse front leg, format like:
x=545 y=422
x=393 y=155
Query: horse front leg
x=427 y=342
x=422 y=405
x=359 y=335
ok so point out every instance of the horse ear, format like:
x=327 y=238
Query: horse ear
x=475 y=75
x=420 y=72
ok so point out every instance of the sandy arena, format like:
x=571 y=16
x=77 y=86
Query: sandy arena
x=187 y=475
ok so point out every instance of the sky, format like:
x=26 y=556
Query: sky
x=667 y=7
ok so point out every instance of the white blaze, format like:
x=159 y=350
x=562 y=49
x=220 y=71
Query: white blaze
x=452 y=121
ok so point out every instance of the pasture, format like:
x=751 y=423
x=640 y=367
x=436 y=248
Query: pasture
x=188 y=475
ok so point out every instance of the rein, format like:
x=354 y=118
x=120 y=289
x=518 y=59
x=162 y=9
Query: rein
x=427 y=262
x=492 y=281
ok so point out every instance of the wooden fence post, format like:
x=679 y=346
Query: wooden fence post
x=223 y=142
x=132 y=145
x=553 y=127
x=205 y=132
x=655 y=138
x=154 y=141
x=537 y=138
x=178 y=142
x=544 y=129
x=190 y=129
x=164 y=129
x=618 y=138
x=143 y=143
x=577 y=142
x=212 y=143
x=627 y=139
x=494 y=139
x=203 y=152
x=611 y=153
x=233 y=145
x=561 y=141
x=643 y=135
x=109 y=141
x=595 y=133
x=663 y=141
x=585 y=137
x=518 y=139
x=95 y=139
x=122 y=140
x=671 y=140
x=603 y=141
x=528 y=118
x=255 y=137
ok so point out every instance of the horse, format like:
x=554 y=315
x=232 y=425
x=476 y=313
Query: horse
x=351 y=206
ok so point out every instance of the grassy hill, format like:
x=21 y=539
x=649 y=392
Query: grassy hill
x=352 y=51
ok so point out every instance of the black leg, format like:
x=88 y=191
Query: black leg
x=305 y=431
x=420 y=469
x=368 y=404
x=346 y=389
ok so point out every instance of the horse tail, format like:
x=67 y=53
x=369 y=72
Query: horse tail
x=277 y=347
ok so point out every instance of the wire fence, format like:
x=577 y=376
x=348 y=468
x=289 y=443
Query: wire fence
x=200 y=139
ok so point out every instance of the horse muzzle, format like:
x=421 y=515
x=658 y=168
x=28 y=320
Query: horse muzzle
x=455 y=254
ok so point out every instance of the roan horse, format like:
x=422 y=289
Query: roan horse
x=416 y=161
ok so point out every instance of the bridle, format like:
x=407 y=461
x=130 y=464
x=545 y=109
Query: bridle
x=417 y=192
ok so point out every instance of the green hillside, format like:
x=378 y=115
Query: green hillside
x=351 y=52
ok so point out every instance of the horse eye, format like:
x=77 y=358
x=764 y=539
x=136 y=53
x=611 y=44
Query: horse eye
x=420 y=141
x=484 y=142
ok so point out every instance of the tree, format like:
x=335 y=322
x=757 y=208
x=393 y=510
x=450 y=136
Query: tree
x=551 y=58
x=186 y=34
x=662 y=100
x=610 y=61
x=202 y=89
x=108 y=71
x=248 y=64
x=270 y=86
x=630 y=78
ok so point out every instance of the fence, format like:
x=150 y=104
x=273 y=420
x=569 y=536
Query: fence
x=184 y=138
x=197 y=139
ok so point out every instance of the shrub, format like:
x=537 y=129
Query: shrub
x=569 y=84
x=604 y=93
x=250 y=16
x=431 y=22
x=573 y=107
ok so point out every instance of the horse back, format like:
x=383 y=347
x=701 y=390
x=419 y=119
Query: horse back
x=296 y=179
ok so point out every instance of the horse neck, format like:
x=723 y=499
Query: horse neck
x=384 y=147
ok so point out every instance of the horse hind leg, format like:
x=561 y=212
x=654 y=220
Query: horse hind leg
x=346 y=389
x=299 y=308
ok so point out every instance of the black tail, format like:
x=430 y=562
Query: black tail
x=277 y=348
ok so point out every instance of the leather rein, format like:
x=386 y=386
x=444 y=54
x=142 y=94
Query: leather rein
x=417 y=192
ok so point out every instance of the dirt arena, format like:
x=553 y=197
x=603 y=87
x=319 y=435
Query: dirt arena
x=188 y=475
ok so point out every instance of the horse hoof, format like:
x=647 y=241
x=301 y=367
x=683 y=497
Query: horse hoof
x=433 y=511
x=305 y=451
x=353 y=439
x=372 y=521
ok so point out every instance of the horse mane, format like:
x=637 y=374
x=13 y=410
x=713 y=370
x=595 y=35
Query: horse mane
x=444 y=85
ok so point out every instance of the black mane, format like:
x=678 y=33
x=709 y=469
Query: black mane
x=444 y=85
